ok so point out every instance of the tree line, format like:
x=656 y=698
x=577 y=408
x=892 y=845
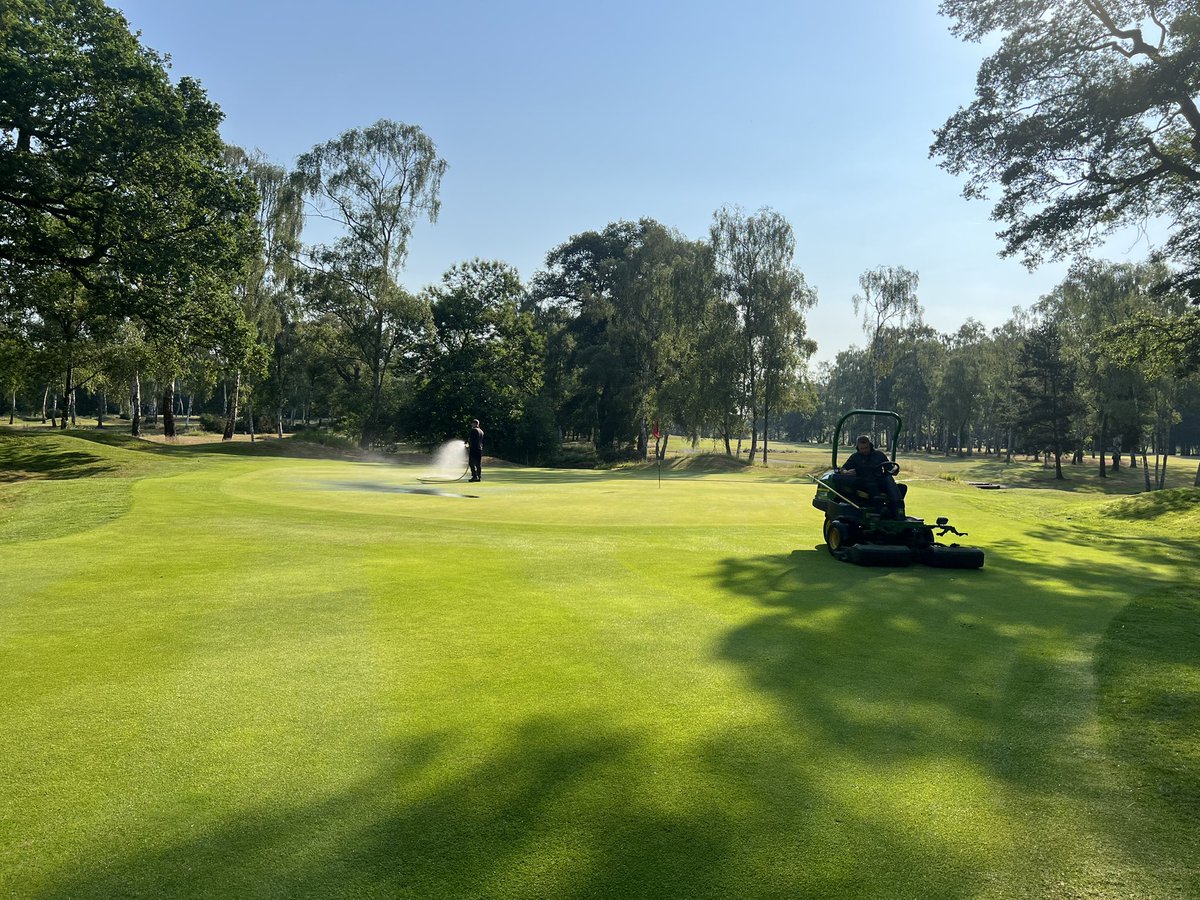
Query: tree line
x=149 y=270
x=1071 y=377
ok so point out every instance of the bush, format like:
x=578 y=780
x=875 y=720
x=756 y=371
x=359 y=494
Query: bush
x=212 y=423
x=574 y=456
x=325 y=439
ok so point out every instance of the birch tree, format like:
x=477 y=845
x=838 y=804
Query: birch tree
x=373 y=185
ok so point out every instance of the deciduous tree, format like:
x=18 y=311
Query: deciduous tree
x=754 y=257
x=373 y=184
x=1086 y=119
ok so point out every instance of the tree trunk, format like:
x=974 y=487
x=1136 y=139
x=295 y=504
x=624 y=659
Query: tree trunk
x=279 y=386
x=766 y=421
x=1058 y=475
x=45 y=399
x=12 y=409
x=168 y=408
x=1103 y=437
x=102 y=409
x=135 y=406
x=187 y=420
x=1164 y=444
x=250 y=416
x=1146 y=470
x=1197 y=481
x=231 y=407
x=67 y=394
x=753 y=406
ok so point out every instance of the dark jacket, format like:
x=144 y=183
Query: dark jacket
x=475 y=440
x=866 y=464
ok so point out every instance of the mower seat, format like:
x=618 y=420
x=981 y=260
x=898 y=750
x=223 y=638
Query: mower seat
x=888 y=497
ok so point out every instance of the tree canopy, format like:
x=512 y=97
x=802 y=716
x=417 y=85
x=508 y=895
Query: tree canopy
x=1086 y=119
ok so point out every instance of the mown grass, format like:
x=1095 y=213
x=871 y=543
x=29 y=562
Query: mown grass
x=263 y=675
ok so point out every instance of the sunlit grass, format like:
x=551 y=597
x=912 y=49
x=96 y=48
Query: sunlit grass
x=245 y=674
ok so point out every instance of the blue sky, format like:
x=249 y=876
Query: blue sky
x=560 y=117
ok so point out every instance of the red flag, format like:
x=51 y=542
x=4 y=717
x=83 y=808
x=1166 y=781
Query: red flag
x=654 y=431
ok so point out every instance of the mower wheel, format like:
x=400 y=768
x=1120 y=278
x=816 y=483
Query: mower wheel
x=880 y=555
x=839 y=536
x=952 y=557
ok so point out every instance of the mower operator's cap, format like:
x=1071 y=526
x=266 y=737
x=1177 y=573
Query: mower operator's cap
x=863 y=439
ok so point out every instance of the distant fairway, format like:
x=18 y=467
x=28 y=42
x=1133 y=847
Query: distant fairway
x=229 y=672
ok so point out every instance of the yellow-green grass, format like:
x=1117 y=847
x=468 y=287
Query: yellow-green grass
x=228 y=672
x=1019 y=471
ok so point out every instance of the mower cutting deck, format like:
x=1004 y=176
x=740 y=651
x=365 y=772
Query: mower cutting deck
x=867 y=525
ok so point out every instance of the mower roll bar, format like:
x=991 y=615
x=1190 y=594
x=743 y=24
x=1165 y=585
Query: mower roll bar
x=837 y=432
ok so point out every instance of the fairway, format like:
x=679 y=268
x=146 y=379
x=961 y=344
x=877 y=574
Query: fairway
x=236 y=672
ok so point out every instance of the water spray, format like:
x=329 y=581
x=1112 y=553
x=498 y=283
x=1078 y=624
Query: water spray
x=450 y=458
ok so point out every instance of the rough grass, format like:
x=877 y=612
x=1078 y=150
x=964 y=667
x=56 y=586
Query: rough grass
x=259 y=675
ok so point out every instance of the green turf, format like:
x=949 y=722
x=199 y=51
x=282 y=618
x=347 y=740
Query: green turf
x=235 y=673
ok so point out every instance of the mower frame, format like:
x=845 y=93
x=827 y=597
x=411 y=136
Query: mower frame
x=860 y=529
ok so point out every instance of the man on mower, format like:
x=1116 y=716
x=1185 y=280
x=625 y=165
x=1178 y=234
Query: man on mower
x=872 y=472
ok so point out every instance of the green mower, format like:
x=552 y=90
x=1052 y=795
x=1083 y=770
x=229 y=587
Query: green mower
x=865 y=521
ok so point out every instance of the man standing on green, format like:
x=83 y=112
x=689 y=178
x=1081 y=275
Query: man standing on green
x=475 y=450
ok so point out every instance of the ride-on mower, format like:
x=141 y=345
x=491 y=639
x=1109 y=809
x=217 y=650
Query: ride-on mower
x=865 y=521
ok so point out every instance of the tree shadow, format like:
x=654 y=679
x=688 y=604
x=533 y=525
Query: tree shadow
x=1083 y=478
x=989 y=670
x=1153 y=505
x=550 y=808
x=560 y=808
x=24 y=457
x=1148 y=667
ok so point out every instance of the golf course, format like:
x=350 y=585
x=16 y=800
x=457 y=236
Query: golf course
x=265 y=671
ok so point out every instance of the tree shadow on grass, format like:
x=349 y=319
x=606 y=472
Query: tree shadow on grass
x=989 y=670
x=547 y=815
x=1148 y=668
x=1153 y=505
x=23 y=457
x=271 y=447
x=561 y=809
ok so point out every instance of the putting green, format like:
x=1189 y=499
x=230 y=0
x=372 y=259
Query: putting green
x=244 y=674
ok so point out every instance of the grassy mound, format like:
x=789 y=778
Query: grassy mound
x=706 y=462
x=1178 y=504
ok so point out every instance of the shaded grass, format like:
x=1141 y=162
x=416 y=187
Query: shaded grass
x=577 y=684
x=1148 y=668
x=1177 y=505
